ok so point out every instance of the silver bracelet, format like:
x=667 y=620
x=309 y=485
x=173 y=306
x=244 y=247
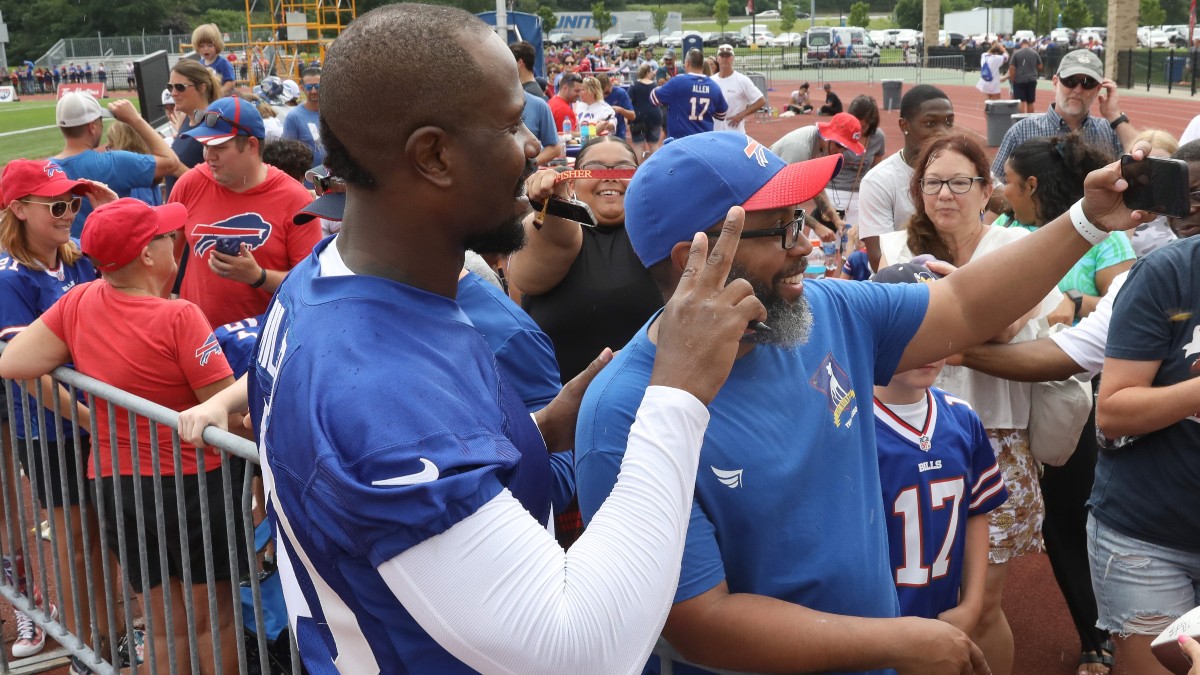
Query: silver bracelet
x=1084 y=227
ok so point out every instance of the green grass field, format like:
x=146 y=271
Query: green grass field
x=36 y=143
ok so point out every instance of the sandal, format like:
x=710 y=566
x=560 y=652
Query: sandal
x=1102 y=658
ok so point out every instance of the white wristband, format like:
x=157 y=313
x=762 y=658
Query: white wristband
x=1084 y=227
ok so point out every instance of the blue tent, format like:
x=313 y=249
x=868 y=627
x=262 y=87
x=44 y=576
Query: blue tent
x=522 y=26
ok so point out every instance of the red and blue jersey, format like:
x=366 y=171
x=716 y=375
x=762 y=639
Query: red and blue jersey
x=934 y=478
x=693 y=101
x=238 y=340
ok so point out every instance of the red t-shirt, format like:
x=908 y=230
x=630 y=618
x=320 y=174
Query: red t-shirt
x=561 y=110
x=160 y=350
x=261 y=217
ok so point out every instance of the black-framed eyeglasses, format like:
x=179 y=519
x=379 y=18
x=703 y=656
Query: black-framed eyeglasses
x=1195 y=197
x=60 y=208
x=789 y=234
x=959 y=185
x=165 y=235
x=210 y=118
x=599 y=166
x=1076 y=80
x=322 y=182
x=179 y=87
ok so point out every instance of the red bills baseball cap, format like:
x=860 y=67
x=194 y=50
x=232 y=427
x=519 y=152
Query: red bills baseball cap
x=689 y=185
x=115 y=233
x=37 y=178
x=845 y=130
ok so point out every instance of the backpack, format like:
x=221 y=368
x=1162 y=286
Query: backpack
x=986 y=72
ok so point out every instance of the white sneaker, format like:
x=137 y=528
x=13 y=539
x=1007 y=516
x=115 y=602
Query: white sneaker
x=30 y=636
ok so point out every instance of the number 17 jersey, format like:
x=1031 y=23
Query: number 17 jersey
x=933 y=479
x=693 y=101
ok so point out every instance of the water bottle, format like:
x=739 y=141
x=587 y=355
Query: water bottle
x=585 y=132
x=816 y=261
x=829 y=250
x=566 y=129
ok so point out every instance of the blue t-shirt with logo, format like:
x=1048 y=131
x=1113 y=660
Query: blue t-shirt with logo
x=383 y=422
x=693 y=101
x=788 y=498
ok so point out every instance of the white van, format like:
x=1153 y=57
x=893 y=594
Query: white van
x=858 y=43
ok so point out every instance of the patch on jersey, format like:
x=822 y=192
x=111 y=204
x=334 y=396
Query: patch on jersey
x=730 y=478
x=833 y=381
x=208 y=349
x=756 y=151
x=249 y=228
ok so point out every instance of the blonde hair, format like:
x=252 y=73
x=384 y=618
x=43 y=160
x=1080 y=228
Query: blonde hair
x=121 y=136
x=13 y=240
x=208 y=33
x=1158 y=140
x=264 y=109
x=199 y=75
x=593 y=86
x=643 y=70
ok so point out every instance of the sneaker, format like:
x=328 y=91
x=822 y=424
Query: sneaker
x=139 y=647
x=30 y=636
x=78 y=668
x=44 y=530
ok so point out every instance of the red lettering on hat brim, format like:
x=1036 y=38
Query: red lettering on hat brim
x=795 y=184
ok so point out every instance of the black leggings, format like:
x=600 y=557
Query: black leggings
x=1065 y=490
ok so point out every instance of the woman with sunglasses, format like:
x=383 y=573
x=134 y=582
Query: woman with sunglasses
x=193 y=87
x=39 y=262
x=950 y=189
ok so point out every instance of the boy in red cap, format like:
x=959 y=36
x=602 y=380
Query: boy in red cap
x=166 y=353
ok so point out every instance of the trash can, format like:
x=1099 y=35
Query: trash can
x=892 y=90
x=1174 y=68
x=999 y=119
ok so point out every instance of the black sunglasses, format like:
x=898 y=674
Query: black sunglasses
x=212 y=117
x=1076 y=80
x=789 y=234
x=179 y=87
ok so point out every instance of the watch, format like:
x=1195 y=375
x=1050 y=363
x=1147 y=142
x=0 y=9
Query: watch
x=1121 y=119
x=1077 y=298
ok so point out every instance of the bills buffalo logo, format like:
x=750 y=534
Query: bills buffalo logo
x=53 y=169
x=208 y=349
x=247 y=228
x=756 y=151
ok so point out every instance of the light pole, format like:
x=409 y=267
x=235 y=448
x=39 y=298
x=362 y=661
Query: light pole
x=988 y=35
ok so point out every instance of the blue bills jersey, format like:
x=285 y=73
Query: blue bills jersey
x=384 y=422
x=693 y=102
x=933 y=479
x=238 y=340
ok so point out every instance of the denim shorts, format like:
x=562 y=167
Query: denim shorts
x=1140 y=587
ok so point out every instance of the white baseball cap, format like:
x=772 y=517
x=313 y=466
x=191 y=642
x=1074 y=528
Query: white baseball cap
x=77 y=108
x=291 y=90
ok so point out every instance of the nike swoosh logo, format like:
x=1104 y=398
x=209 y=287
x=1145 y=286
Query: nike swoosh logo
x=427 y=474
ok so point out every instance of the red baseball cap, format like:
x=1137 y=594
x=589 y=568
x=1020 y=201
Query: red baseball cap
x=37 y=178
x=845 y=130
x=115 y=233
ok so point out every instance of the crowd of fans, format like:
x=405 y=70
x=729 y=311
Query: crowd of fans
x=499 y=463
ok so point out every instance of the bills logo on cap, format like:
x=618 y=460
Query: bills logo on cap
x=51 y=168
x=856 y=135
x=249 y=228
x=756 y=151
x=208 y=349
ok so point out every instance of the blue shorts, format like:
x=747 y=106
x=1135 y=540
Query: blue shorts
x=1140 y=587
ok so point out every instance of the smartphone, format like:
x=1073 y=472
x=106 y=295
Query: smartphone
x=569 y=209
x=1157 y=185
x=229 y=245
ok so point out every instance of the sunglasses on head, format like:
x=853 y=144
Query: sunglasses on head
x=1076 y=80
x=59 y=209
x=179 y=87
x=212 y=117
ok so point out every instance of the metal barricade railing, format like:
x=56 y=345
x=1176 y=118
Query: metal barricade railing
x=90 y=582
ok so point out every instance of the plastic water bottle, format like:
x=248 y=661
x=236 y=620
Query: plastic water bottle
x=816 y=262
x=829 y=250
x=585 y=132
x=566 y=129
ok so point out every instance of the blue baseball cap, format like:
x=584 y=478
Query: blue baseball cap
x=688 y=186
x=226 y=118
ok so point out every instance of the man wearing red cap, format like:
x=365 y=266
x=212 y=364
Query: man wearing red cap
x=842 y=132
x=167 y=354
x=240 y=238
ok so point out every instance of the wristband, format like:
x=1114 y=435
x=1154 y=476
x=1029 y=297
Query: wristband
x=262 y=279
x=1121 y=119
x=1084 y=227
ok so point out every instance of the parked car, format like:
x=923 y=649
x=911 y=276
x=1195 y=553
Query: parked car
x=1176 y=35
x=762 y=38
x=655 y=40
x=1063 y=36
x=718 y=39
x=881 y=37
x=1024 y=35
x=769 y=14
x=1157 y=39
x=559 y=37
x=631 y=39
x=674 y=39
x=788 y=40
x=950 y=39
